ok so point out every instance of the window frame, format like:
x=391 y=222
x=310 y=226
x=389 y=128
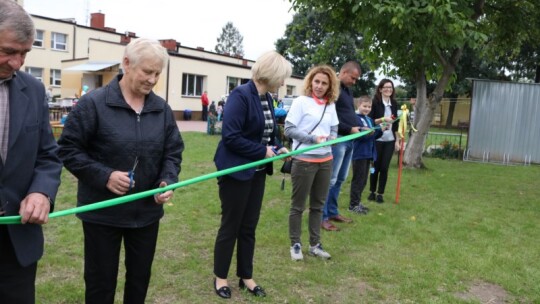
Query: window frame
x=54 y=79
x=192 y=85
x=34 y=71
x=55 y=43
x=231 y=80
x=291 y=90
x=38 y=39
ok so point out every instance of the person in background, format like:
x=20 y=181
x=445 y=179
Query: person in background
x=342 y=152
x=205 y=102
x=29 y=166
x=219 y=111
x=275 y=100
x=122 y=139
x=212 y=118
x=84 y=90
x=222 y=104
x=212 y=109
x=312 y=119
x=384 y=110
x=49 y=94
x=248 y=134
x=364 y=153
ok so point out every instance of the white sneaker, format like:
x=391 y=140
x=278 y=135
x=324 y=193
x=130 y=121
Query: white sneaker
x=296 y=252
x=317 y=250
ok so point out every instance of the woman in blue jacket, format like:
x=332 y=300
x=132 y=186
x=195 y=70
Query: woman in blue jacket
x=248 y=135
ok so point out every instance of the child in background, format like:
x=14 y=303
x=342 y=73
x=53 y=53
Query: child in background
x=219 y=111
x=363 y=154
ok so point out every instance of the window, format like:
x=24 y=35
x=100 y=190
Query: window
x=56 y=77
x=58 y=41
x=291 y=90
x=192 y=85
x=232 y=82
x=36 y=72
x=38 y=40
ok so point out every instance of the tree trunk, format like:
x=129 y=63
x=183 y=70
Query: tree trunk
x=451 y=108
x=423 y=114
x=537 y=76
x=425 y=108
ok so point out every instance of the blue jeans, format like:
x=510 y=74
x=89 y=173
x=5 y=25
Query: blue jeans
x=342 y=154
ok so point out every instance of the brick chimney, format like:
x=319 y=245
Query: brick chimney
x=125 y=39
x=97 y=20
x=169 y=44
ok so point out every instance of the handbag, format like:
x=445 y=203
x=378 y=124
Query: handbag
x=287 y=165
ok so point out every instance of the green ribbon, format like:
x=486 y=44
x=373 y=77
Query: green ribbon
x=16 y=219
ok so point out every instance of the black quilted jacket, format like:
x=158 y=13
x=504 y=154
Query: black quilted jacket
x=103 y=134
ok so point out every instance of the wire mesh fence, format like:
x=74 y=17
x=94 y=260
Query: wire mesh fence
x=446 y=144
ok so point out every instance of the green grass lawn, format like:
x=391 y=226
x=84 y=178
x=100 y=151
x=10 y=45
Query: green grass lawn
x=462 y=233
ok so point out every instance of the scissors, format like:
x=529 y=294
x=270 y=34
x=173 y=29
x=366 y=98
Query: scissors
x=131 y=173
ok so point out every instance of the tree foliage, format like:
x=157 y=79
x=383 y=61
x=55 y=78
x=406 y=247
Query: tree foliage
x=230 y=41
x=424 y=40
x=514 y=38
x=472 y=66
x=306 y=43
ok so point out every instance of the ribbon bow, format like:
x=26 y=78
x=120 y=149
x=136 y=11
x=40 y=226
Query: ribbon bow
x=402 y=129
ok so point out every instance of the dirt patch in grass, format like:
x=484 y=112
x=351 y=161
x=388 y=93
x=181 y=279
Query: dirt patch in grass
x=486 y=293
x=364 y=288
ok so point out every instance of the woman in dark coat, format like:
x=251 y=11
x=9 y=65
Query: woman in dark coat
x=248 y=134
x=384 y=110
x=118 y=140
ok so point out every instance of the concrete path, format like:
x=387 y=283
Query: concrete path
x=192 y=125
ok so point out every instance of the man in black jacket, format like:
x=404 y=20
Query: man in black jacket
x=342 y=152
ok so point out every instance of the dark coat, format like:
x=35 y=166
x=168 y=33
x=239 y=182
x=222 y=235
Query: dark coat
x=32 y=164
x=242 y=132
x=377 y=111
x=364 y=146
x=345 y=111
x=103 y=134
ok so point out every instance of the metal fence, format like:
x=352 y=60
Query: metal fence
x=504 y=125
x=446 y=145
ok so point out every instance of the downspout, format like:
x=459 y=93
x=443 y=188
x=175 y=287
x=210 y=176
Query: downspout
x=167 y=82
x=74 y=39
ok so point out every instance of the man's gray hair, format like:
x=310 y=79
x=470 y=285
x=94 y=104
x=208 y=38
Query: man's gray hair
x=14 y=18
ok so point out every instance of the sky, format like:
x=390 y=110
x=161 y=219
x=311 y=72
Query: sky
x=195 y=23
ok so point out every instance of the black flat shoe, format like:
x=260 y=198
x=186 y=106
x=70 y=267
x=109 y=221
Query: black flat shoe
x=258 y=291
x=224 y=292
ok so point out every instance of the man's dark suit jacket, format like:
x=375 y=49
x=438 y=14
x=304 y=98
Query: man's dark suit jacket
x=32 y=164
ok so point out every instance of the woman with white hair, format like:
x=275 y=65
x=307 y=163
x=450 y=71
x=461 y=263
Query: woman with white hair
x=248 y=134
x=121 y=139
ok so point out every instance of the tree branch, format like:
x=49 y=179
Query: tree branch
x=478 y=8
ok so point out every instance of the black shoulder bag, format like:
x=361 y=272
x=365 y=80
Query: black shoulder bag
x=287 y=165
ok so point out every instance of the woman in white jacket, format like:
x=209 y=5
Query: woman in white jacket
x=312 y=119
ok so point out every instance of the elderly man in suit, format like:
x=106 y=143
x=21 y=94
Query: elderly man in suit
x=29 y=167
